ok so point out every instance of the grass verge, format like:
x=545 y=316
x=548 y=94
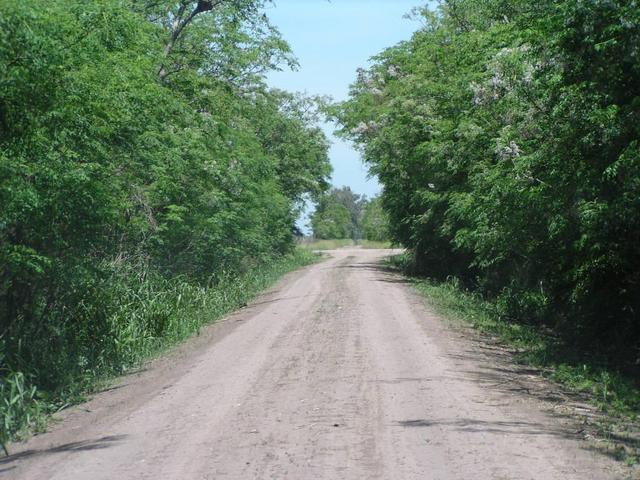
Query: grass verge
x=148 y=318
x=341 y=243
x=374 y=244
x=616 y=395
x=326 y=244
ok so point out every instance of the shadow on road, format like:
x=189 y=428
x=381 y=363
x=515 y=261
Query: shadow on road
x=483 y=426
x=387 y=274
x=84 y=445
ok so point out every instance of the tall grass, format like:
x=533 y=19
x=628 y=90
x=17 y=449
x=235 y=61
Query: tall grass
x=120 y=323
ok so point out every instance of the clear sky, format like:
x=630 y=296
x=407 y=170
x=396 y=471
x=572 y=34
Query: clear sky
x=331 y=39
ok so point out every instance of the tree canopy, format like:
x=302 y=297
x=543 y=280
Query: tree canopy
x=375 y=221
x=338 y=214
x=507 y=138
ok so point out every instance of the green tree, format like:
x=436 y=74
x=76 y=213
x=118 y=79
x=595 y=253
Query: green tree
x=375 y=221
x=331 y=222
x=140 y=151
x=507 y=143
x=326 y=211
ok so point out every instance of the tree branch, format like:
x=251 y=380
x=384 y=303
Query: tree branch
x=180 y=22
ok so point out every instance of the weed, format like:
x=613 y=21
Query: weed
x=19 y=407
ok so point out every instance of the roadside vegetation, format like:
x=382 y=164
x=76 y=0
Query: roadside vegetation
x=341 y=214
x=144 y=319
x=149 y=183
x=507 y=139
x=364 y=243
x=326 y=244
x=615 y=394
x=312 y=244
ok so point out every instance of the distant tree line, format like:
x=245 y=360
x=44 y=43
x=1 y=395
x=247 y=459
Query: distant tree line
x=507 y=137
x=341 y=214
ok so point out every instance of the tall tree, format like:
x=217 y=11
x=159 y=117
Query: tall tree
x=113 y=181
x=375 y=221
x=327 y=211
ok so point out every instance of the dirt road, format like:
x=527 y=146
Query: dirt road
x=340 y=373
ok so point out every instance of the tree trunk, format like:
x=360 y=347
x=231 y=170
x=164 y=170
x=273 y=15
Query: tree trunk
x=180 y=22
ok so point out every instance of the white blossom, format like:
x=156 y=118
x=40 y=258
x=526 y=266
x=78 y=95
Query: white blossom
x=508 y=152
x=502 y=81
x=364 y=128
x=360 y=128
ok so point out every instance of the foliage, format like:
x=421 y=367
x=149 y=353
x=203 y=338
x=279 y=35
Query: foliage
x=332 y=221
x=507 y=138
x=142 y=169
x=338 y=215
x=375 y=221
x=19 y=409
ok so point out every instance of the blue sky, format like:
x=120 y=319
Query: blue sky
x=331 y=40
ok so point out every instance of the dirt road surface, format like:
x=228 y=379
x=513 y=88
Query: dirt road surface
x=340 y=372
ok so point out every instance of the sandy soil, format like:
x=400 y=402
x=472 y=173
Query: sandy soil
x=340 y=372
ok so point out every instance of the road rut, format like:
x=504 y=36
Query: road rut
x=341 y=372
